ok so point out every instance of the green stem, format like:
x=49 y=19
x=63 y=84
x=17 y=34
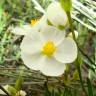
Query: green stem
x=78 y=65
x=73 y=34
x=80 y=76
x=71 y=24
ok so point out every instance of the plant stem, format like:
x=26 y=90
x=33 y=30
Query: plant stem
x=72 y=29
x=78 y=65
x=80 y=76
x=71 y=24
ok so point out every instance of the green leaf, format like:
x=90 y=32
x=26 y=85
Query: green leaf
x=18 y=83
x=79 y=61
x=90 y=88
x=67 y=80
x=12 y=90
x=47 y=92
x=66 y=5
x=75 y=75
x=80 y=74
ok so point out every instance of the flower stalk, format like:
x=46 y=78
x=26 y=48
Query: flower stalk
x=77 y=65
x=73 y=34
x=71 y=25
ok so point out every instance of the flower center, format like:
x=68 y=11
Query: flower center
x=49 y=48
x=33 y=22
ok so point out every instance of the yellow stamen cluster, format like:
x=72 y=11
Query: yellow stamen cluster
x=33 y=22
x=49 y=48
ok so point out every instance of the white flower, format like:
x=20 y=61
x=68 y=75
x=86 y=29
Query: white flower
x=48 y=51
x=25 y=29
x=56 y=15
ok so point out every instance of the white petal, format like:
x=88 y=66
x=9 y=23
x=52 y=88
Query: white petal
x=51 y=67
x=56 y=14
x=32 y=43
x=21 y=30
x=51 y=33
x=32 y=61
x=66 y=52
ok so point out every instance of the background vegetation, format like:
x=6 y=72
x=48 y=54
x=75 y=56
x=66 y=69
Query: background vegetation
x=19 y=12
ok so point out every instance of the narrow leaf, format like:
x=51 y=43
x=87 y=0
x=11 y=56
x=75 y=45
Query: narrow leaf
x=18 y=83
x=90 y=88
